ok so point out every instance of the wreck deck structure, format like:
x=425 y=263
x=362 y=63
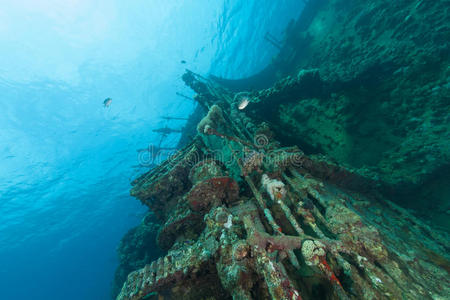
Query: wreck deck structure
x=245 y=218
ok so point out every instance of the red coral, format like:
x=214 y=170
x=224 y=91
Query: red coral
x=327 y=269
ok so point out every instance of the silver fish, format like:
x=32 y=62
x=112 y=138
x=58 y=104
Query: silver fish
x=243 y=103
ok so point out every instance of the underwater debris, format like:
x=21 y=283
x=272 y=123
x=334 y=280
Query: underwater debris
x=166 y=130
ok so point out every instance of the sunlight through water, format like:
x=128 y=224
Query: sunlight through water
x=66 y=159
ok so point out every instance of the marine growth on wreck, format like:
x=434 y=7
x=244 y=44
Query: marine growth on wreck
x=277 y=197
x=244 y=218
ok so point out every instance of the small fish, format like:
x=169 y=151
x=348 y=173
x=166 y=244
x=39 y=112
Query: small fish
x=107 y=102
x=243 y=103
x=188 y=242
x=183 y=61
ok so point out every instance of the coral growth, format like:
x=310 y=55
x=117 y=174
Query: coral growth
x=136 y=250
x=273 y=187
x=313 y=252
x=212 y=120
x=251 y=161
x=212 y=192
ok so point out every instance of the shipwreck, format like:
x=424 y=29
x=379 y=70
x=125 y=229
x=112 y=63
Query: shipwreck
x=247 y=209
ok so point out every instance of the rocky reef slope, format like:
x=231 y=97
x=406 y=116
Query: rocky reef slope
x=368 y=85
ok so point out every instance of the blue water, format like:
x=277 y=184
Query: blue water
x=66 y=161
